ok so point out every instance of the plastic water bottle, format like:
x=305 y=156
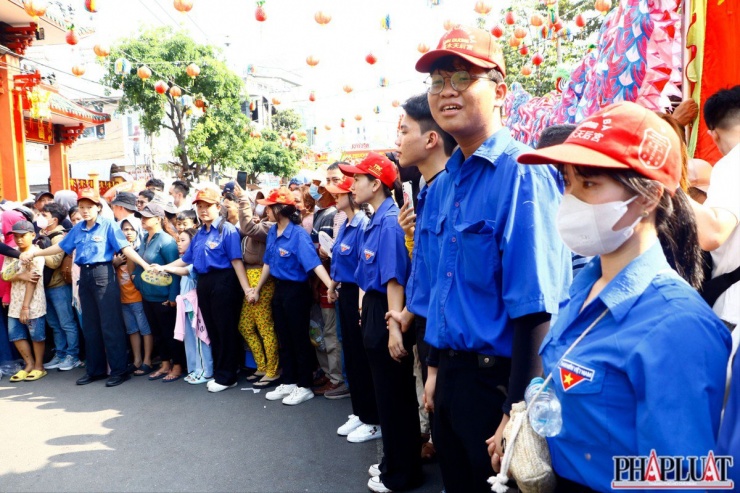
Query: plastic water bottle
x=545 y=415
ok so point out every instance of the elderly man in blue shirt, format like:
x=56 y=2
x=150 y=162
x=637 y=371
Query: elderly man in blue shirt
x=502 y=269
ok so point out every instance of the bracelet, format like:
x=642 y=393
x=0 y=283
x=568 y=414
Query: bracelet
x=25 y=308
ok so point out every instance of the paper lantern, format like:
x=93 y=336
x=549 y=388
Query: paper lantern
x=101 y=50
x=192 y=70
x=199 y=102
x=514 y=42
x=255 y=134
x=322 y=18
x=510 y=18
x=371 y=59
x=603 y=6
x=160 y=86
x=276 y=102
x=186 y=100
x=526 y=71
x=376 y=110
x=395 y=103
x=385 y=22
x=35 y=8
x=383 y=82
x=537 y=59
x=341 y=123
x=422 y=47
x=449 y=25
x=183 y=6
x=520 y=32
x=260 y=13
x=557 y=26
x=312 y=61
x=312 y=96
x=497 y=30
x=347 y=88
x=71 y=37
x=252 y=105
x=78 y=70
x=327 y=127
x=144 y=72
x=175 y=91
x=524 y=50
x=358 y=117
x=482 y=8
x=121 y=66
x=536 y=20
x=580 y=21
x=91 y=6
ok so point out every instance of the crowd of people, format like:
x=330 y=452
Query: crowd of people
x=431 y=312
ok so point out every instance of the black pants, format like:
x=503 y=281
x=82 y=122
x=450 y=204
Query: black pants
x=102 y=320
x=422 y=347
x=291 y=311
x=467 y=411
x=395 y=393
x=162 y=320
x=220 y=299
x=355 y=357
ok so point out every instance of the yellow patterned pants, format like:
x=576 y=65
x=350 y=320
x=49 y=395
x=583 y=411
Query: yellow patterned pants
x=257 y=328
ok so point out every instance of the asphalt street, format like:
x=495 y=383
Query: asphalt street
x=155 y=436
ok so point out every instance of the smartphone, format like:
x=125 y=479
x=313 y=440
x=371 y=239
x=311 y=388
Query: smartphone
x=408 y=193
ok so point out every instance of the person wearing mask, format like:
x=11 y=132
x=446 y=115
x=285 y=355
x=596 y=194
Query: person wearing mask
x=501 y=270
x=623 y=204
x=95 y=240
x=382 y=273
x=216 y=256
x=289 y=258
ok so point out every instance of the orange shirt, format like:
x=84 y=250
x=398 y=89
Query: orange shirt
x=129 y=293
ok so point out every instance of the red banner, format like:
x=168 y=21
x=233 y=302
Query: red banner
x=39 y=131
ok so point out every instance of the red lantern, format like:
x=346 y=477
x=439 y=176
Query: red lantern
x=371 y=59
x=161 y=87
x=603 y=6
x=449 y=25
x=144 y=72
x=101 y=50
x=510 y=18
x=526 y=71
x=293 y=137
x=91 y=6
x=514 y=42
x=260 y=14
x=341 y=124
x=524 y=50
x=312 y=61
x=71 y=37
x=192 y=70
x=276 y=102
x=536 y=20
x=183 y=6
x=520 y=32
x=395 y=103
x=537 y=59
x=497 y=30
x=175 y=92
x=482 y=8
x=252 y=105
x=312 y=96
x=199 y=101
x=422 y=47
x=322 y=18
x=255 y=134
x=78 y=70
x=557 y=26
x=580 y=21
x=347 y=88
x=35 y=8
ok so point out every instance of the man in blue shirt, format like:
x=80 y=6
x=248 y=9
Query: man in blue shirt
x=501 y=269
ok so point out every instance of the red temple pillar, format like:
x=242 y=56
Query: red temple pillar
x=59 y=172
x=13 y=184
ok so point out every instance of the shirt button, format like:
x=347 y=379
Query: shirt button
x=449 y=274
x=454 y=239
x=587 y=456
x=457 y=204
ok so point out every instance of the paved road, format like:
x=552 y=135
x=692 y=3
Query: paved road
x=152 y=436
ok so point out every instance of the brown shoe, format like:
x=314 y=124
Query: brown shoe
x=323 y=389
x=320 y=382
x=340 y=391
x=428 y=452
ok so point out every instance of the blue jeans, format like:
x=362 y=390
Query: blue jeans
x=61 y=318
x=197 y=353
x=135 y=319
x=35 y=329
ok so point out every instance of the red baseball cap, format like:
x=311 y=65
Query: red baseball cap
x=88 y=194
x=375 y=165
x=341 y=187
x=475 y=45
x=281 y=195
x=620 y=136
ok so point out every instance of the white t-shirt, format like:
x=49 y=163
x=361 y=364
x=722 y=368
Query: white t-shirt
x=724 y=193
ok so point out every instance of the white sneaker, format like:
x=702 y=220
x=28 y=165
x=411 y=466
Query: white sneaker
x=374 y=471
x=376 y=485
x=364 y=433
x=299 y=394
x=54 y=363
x=281 y=392
x=217 y=387
x=352 y=423
x=69 y=363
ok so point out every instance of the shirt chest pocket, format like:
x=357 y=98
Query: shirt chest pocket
x=345 y=249
x=478 y=252
x=577 y=376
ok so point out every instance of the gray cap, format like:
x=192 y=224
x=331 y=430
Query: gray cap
x=151 y=209
x=23 y=227
x=127 y=200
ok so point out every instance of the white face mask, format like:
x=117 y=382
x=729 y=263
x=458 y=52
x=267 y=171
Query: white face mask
x=259 y=210
x=587 y=228
x=41 y=222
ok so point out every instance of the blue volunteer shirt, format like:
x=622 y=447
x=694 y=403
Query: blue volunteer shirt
x=345 y=254
x=383 y=255
x=94 y=245
x=292 y=255
x=419 y=286
x=210 y=249
x=649 y=375
x=499 y=254
x=729 y=434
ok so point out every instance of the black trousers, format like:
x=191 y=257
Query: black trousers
x=102 y=320
x=291 y=311
x=395 y=393
x=422 y=347
x=162 y=320
x=467 y=411
x=355 y=357
x=220 y=299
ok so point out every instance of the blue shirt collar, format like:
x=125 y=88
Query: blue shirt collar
x=489 y=151
x=357 y=219
x=380 y=213
x=97 y=221
x=287 y=231
x=624 y=290
x=215 y=223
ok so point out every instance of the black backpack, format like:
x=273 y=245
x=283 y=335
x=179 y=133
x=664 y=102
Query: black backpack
x=44 y=241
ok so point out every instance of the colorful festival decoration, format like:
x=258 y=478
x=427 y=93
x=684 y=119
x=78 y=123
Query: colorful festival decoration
x=347 y=88
x=78 y=70
x=482 y=8
x=371 y=59
x=175 y=91
x=121 y=66
x=91 y=6
x=322 y=18
x=35 y=8
x=144 y=72
x=160 y=87
x=510 y=17
x=312 y=96
x=497 y=30
x=101 y=50
x=385 y=23
x=192 y=70
x=259 y=13
x=183 y=6
x=312 y=61
x=71 y=38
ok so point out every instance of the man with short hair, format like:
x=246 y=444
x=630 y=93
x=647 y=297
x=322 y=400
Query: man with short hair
x=155 y=185
x=179 y=191
x=500 y=270
x=144 y=197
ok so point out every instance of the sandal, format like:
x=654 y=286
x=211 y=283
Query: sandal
x=19 y=377
x=255 y=376
x=190 y=377
x=159 y=374
x=266 y=382
x=144 y=369
x=174 y=378
x=34 y=375
x=199 y=379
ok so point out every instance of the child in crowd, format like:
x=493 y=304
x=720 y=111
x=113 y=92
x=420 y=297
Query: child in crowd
x=27 y=310
x=186 y=219
x=137 y=326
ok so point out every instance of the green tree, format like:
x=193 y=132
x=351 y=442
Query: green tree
x=287 y=121
x=213 y=137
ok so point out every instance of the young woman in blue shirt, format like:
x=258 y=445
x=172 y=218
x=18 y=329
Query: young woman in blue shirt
x=650 y=373
x=289 y=257
x=345 y=291
x=382 y=273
